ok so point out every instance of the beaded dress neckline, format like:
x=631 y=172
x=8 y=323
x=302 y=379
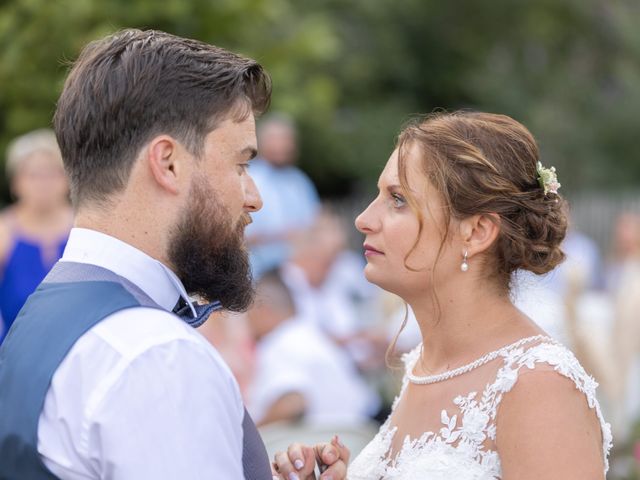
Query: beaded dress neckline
x=428 y=379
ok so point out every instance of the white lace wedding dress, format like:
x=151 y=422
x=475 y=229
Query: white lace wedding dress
x=461 y=443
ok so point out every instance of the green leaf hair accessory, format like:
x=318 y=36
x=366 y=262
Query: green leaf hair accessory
x=548 y=179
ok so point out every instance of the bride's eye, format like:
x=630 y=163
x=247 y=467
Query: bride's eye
x=398 y=200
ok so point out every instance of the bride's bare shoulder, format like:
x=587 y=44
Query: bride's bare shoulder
x=548 y=428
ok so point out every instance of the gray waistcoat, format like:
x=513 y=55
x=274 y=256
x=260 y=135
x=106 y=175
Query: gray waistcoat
x=41 y=336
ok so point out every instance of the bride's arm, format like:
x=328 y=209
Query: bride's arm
x=546 y=430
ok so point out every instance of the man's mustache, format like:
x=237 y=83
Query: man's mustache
x=245 y=220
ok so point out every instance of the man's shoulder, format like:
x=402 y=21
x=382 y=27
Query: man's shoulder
x=127 y=340
x=133 y=331
x=141 y=327
x=138 y=366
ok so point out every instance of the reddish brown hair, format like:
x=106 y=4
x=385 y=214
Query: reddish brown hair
x=483 y=163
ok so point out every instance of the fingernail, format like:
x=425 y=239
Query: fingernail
x=339 y=441
x=293 y=476
x=298 y=464
x=330 y=456
x=275 y=478
x=328 y=477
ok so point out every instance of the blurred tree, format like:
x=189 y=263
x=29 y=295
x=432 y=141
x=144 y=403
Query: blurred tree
x=39 y=38
x=569 y=70
x=353 y=72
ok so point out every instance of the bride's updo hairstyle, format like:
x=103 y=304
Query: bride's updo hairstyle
x=483 y=163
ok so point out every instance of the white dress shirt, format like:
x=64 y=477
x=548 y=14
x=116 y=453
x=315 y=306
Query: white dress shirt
x=297 y=357
x=141 y=395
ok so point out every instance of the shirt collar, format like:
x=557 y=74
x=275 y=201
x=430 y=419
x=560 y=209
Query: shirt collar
x=153 y=277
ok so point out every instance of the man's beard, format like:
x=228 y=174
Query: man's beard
x=208 y=253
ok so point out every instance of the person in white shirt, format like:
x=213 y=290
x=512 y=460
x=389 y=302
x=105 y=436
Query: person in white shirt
x=301 y=373
x=156 y=133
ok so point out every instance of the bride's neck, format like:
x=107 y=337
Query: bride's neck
x=458 y=328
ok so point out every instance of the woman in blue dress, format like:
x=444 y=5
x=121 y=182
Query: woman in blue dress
x=34 y=229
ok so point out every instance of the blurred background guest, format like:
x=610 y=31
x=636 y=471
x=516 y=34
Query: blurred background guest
x=626 y=250
x=300 y=373
x=624 y=286
x=289 y=197
x=34 y=229
x=329 y=290
x=306 y=273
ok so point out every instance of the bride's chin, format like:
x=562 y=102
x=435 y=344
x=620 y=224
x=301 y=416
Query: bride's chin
x=372 y=276
x=382 y=280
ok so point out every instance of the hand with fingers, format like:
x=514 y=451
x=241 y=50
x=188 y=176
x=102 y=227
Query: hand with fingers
x=299 y=461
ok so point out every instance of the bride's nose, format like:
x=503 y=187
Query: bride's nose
x=366 y=221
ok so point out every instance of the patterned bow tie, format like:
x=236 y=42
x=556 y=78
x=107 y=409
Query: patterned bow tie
x=183 y=310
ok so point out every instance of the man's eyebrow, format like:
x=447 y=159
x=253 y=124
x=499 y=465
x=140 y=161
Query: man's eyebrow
x=251 y=151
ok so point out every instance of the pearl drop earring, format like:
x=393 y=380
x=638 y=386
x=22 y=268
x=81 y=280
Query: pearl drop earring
x=464 y=266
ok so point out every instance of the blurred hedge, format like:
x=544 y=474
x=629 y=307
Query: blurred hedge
x=351 y=72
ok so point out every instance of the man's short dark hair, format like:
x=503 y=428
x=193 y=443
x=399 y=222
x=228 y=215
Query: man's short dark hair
x=133 y=85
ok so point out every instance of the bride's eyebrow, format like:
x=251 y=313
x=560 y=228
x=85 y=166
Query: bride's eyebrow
x=396 y=187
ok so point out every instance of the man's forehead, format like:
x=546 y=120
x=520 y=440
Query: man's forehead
x=240 y=130
x=247 y=122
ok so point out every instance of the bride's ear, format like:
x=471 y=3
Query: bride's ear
x=479 y=232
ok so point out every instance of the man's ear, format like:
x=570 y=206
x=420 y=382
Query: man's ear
x=479 y=232
x=166 y=160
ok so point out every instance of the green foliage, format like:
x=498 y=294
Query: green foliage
x=353 y=72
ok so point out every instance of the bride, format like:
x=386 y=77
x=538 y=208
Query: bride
x=464 y=203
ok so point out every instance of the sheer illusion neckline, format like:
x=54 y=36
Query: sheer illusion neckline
x=486 y=358
x=461 y=443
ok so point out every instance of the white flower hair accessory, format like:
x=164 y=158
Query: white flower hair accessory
x=548 y=179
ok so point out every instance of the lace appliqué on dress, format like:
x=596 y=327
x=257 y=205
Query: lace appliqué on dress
x=458 y=450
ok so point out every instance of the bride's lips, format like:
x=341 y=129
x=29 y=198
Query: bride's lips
x=370 y=251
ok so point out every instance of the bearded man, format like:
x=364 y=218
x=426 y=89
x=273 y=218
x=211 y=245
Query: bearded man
x=102 y=375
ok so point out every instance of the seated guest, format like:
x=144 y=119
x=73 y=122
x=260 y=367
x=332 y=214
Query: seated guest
x=300 y=373
x=307 y=275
